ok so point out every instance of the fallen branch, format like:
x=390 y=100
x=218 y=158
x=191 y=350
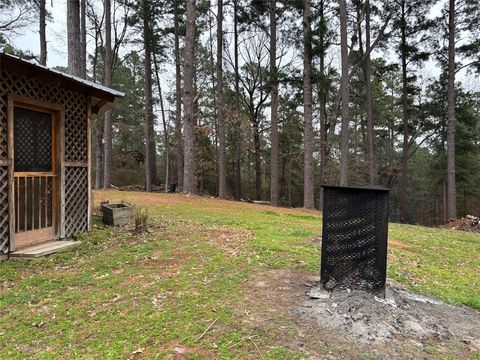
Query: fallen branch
x=209 y=327
x=256 y=347
x=246 y=338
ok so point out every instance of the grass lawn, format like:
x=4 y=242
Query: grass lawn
x=179 y=290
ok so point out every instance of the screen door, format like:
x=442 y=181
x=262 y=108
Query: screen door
x=34 y=176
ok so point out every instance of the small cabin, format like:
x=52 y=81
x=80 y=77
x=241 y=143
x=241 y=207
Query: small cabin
x=45 y=153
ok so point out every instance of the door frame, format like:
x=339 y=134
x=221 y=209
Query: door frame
x=58 y=137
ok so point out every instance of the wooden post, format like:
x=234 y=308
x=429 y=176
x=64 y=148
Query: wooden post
x=89 y=161
x=61 y=129
x=11 y=189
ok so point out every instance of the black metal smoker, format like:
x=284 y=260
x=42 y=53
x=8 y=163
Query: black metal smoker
x=354 y=238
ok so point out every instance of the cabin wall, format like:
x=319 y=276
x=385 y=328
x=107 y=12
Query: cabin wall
x=75 y=155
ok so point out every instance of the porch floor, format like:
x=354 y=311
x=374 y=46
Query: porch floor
x=46 y=248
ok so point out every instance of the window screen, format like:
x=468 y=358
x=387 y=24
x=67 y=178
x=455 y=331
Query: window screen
x=32 y=140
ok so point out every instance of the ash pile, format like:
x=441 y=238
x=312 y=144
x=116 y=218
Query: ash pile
x=400 y=315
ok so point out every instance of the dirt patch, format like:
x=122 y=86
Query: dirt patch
x=179 y=351
x=167 y=265
x=397 y=244
x=403 y=325
x=173 y=351
x=232 y=241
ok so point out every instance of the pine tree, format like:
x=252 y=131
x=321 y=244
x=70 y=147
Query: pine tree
x=410 y=26
x=222 y=161
x=43 y=39
x=190 y=165
x=74 y=43
x=309 y=180
x=274 y=195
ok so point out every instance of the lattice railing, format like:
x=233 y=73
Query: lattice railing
x=4 y=240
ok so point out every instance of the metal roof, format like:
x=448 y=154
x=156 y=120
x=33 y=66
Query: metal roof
x=76 y=79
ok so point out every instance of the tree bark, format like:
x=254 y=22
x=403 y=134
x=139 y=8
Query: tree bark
x=309 y=180
x=98 y=183
x=99 y=153
x=178 y=103
x=369 y=98
x=164 y=122
x=150 y=153
x=43 y=38
x=73 y=35
x=322 y=103
x=190 y=165
x=107 y=120
x=344 y=136
x=222 y=156
x=405 y=120
x=274 y=105
x=258 y=163
x=451 y=185
x=213 y=76
x=238 y=176
x=83 y=37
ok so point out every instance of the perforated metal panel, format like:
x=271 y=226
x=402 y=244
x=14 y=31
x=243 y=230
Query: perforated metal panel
x=354 y=239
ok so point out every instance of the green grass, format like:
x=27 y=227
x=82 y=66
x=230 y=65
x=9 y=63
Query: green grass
x=120 y=292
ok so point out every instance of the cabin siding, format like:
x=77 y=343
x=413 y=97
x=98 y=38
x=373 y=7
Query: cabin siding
x=75 y=156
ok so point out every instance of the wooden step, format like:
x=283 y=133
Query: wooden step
x=43 y=249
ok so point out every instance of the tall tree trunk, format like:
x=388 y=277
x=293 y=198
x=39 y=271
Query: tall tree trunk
x=258 y=163
x=238 y=174
x=164 y=122
x=98 y=183
x=150 y=153
x=344 y=136
x=178 y=102
x=405 y=120
x=322 y=103
x=222 y=156
x=43 y=38
x=98 y=153
x=451 y=185
x=309 y=179
x=73 y=35
x=190 y=164
x=214 y=100
x=274 y=105
x=83 y=36
x=369 y=96
x=107 y=120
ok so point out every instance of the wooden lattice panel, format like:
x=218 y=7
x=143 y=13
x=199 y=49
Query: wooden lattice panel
x=76 y=145
x=4 y=240
x=76 y=128
x=76 y=200
x=3 y=125
x=75 y=109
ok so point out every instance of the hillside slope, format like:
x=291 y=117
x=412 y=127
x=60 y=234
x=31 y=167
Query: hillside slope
x=215 y=279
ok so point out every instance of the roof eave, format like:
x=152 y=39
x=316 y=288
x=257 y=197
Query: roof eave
x=58 y=78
